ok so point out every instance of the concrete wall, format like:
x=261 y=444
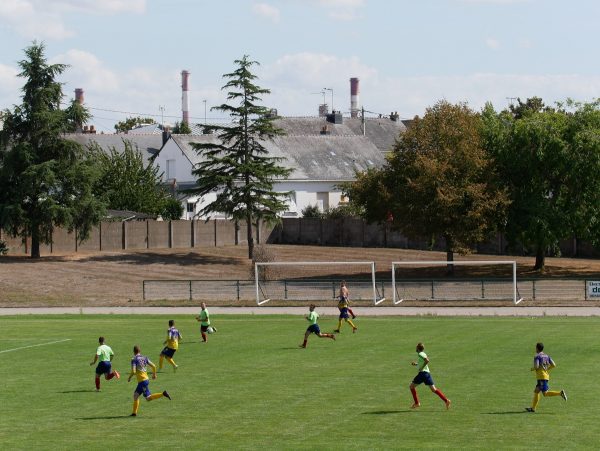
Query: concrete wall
x=114 y=236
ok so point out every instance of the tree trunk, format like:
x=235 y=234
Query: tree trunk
x=249 y=236
x=449 y=256
x=35 y=241
x=540 y=258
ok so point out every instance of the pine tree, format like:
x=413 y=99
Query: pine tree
x=239 y=168
x=45 y=180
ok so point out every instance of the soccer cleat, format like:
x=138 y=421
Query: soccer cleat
x=337 y=331
x=133 y=415
x=117 y=375
x=530 y=409
x=303 y=346
x=354 y=330
x=415 y=406
x=166 y=395
x=333 y=337
x=448 y=404
x=175 y=368
x=214 y=329
x=563 y=395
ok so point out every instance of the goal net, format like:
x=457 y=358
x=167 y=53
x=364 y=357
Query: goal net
x=315 y=281
x=470 y=280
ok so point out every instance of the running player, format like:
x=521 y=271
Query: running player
x=139 y=365
x=424 y=376
x=314 y=328
x=204 y=319
x=172 y=344
x=105 y=354
x=344 y=308
x=542 y=364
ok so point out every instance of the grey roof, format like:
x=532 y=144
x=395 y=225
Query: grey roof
x=316 y=157
x=149 y=145
x=382 y=132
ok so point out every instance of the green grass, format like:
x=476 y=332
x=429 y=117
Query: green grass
x=251 y=386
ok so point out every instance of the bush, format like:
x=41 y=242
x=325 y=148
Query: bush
x=172 y=209
x=343 y=211
x=311 y=211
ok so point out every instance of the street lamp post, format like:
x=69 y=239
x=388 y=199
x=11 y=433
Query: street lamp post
x=330 y=89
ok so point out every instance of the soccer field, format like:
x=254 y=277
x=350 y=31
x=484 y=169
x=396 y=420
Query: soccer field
x=252 y=387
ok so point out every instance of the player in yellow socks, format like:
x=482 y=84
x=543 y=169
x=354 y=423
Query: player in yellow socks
x=172 y=344
x=139 y=365
x=344 y=307
x=542 y=364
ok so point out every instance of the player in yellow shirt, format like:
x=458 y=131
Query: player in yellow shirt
x=344 y=308
x=139 y=365
x=542 y=364
x=172 y=344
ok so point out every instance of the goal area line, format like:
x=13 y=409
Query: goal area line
x=395 y=264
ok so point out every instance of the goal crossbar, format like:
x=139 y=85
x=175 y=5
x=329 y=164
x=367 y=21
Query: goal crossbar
x=515 y=296
x=376 y=298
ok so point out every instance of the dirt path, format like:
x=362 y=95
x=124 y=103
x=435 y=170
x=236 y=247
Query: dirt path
x=115 y=279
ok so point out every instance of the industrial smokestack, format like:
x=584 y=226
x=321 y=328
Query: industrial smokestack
x=354 y=106
x=185 y=100
x=79 y=95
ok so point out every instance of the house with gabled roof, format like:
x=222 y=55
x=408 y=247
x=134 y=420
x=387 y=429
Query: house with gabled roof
x=320 y=153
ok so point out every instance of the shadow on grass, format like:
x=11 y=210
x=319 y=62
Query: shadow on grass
x=115 y=417
x=508 y=412
x=78 y=391
x=386 y=412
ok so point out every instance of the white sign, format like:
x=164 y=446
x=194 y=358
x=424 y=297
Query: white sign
x=593 y=289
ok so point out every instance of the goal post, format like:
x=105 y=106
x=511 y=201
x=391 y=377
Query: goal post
x=314 y=281
x=484 y=288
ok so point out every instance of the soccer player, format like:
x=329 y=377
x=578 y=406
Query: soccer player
x=424 y=376
x=542 y=364
x=139 y=365
x=345 y=293
x=105 y=354
x=172 y=344
x=314 y=328
x=344 y=308
x=204 y=319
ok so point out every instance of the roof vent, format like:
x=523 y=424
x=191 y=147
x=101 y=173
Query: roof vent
x=394 y=116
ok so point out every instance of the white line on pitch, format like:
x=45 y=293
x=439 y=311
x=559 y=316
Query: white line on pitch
x=33 y=346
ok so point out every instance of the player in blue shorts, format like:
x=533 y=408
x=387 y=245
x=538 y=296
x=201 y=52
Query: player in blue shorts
x=314 y=328
x=542 y=364
x=424 y=376
x=344 y=308
x=139 y=365
x=105 y=354
x=171 y=346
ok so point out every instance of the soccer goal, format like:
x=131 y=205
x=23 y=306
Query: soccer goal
x=315 y=281
x=425 y=280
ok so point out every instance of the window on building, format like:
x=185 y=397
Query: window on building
x=323 y=201
x=170 y=169
x=191 y=206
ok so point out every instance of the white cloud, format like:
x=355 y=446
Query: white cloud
x=342 y=10
x=44 y=19
x=497 y=2
x=492 y=43
x=267 y=11
x=296 y=80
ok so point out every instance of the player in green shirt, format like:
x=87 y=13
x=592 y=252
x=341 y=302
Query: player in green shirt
x=313 y=328
x=105 y=354
x=204 y=319
x=424 y=376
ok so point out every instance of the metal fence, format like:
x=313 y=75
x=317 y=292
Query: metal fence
x=320 y=289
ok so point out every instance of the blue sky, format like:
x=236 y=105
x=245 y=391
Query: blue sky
x=127 y=55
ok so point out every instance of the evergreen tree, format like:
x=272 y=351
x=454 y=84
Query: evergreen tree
x=239 y=168
x=45 y=180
